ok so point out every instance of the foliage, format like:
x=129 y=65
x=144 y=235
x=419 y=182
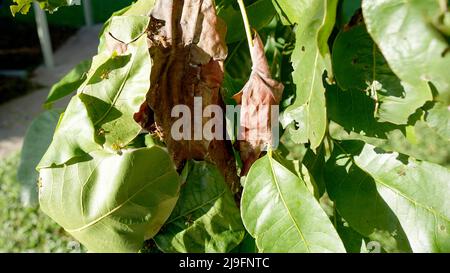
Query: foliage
x=366 y=99
x=23 y=6
x=36 y=142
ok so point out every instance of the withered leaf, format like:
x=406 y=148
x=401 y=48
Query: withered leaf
x=187 y=45
x=256 y=98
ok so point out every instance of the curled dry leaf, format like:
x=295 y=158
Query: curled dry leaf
x=256 y=99
x=187 y=45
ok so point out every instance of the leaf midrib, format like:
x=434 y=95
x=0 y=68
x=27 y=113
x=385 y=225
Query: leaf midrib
x=196 y=208
x=272 y=172
x=93 y=222
x=119 y=92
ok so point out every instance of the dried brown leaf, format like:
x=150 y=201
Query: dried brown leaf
x=256 y=98
x=187 y=45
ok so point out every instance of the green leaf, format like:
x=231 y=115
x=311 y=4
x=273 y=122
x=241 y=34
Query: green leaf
x=283 y=216
x=351 y=113
x=140 y=7
x=353 y=241
x=358 y=202
x=23 y=6
x=110 y=202
x=260 y=13
x=413 y=47
x=248 y=245
x=315 y=164
x=69 y=83
x=36 y=141
x=101 y=114
x=127 y=28
x=74 y=136
x=311 y=57
x=206 y=218
x=359 y=65
x=417 y=192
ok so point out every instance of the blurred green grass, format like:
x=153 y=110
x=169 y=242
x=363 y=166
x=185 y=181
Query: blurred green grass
x=26 y=229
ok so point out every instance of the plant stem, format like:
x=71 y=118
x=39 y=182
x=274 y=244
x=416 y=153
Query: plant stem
x=248 y=31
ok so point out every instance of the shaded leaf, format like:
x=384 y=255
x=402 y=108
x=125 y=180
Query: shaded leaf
x=283 y=216
x=351 y=115
x=36 y=141
x=69 y=83
x=358 y=202
x=417 y=192
x=110 y=202
x=353 y=241
x=261 y=13
x=248 y=245
x=359 y=65
x=353 y=110
x=346 y=11
x=205 y=218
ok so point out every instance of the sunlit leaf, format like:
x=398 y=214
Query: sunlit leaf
x=282 y=215
x=111 y=202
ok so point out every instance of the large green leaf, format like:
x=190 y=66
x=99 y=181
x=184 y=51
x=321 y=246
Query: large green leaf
x=23 y=6
x=359 y=65
x=69 y=83
x=101 y=114
x=36 y=141
x=417 y=192
x=283 y=216
x=358 y=202
x=412 y=45
x=311 y=58
x=111 y=202
x=206 y=218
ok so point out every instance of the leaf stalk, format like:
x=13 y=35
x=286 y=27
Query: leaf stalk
x=248 y=31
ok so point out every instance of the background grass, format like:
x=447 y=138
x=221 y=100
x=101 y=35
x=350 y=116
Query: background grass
x=26 y=229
